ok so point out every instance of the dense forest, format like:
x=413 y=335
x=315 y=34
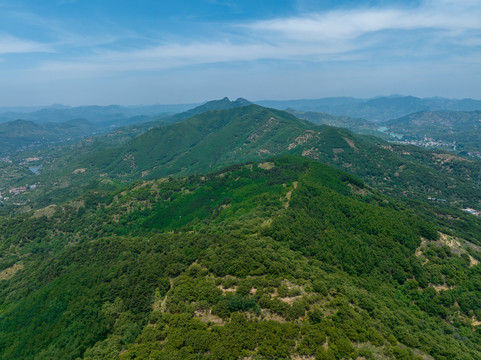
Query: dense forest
x=222 y=133
x=286 y=258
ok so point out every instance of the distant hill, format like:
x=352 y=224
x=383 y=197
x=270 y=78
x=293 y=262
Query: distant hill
x=123 y=134
x=22 y=135
x=457 y=130
x=375 y=109
x=102 y=116
x=218 y=138
x=357 y=125
x=205 y=141
x=25 y=134
x=108 y=117
x=222 y=104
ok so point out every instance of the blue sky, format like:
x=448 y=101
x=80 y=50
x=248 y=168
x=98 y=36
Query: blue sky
x=79 y=52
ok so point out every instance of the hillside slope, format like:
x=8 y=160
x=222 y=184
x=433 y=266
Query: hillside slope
x=214 y=139
x=288 y=258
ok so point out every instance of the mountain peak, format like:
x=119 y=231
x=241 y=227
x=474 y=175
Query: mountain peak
x=242 y=101
x=222 y=104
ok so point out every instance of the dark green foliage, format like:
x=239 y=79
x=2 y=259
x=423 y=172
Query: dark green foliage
x=208 y=141
x=359 y=237
x=252 y=261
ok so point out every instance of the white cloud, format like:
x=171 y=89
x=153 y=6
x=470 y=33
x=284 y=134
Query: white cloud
x=168 y=56
x=333 y=35
x=455 y=16
x=11 y=45
x=350 y=35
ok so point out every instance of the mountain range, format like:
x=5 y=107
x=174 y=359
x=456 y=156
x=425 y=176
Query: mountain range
x=376 y=109
x=236 y=231
x=100 y=115
x=218 y=138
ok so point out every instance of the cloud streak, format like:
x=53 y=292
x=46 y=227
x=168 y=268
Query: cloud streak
x=456 y=18
x=14 y=45
x=445 y=32
x=328 y=36
x=181 y=55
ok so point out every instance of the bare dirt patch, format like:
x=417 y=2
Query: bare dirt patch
x=443 y=287
x=266 y=223
x=350 y=143
x=311 y=153
x=227 y=290
x=46 y=211
x=261 y=152
x=8 y=273
x=400 y=170
x=289 y=194
x=206 y=316
x=131 y=159
x=268 y=315
x=457 y=246
x=162 y=305
x=266 y=165
x=337 y=151
x=268 y=126
x=475 y=321
x=301 y=139
x=419 y=250
x=290 y=300
x=446 y=158
x=357 y=190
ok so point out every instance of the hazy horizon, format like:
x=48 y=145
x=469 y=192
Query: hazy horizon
x=40 y=106
x=127 y=53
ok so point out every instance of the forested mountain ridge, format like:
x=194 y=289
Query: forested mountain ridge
x=217 y=138
x=222 y=104
x=56 y=125
x=280 y=259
